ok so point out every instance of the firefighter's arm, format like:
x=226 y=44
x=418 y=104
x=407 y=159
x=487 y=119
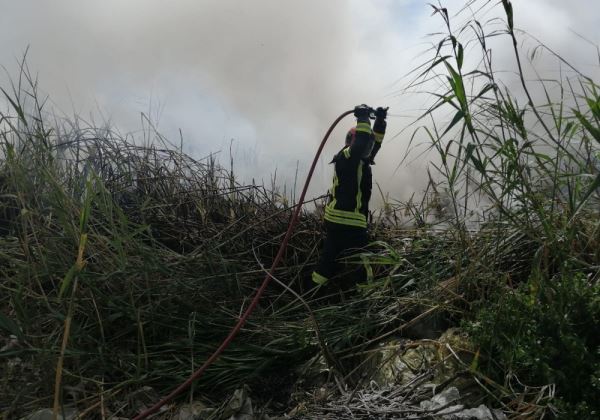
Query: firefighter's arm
x=378 y=131
x=363 y=132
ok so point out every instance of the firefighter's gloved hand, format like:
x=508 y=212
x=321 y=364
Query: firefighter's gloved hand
x=380 y=124
x=381 y=113
x=379 y=127
x=361 y=112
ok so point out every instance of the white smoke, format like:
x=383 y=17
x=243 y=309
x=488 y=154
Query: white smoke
x=269 y=74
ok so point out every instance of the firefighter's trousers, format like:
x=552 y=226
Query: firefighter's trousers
x=341 y=242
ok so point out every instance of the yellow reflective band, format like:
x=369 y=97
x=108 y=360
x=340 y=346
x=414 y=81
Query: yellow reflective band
x=378 y=136
x=345 y=217
x=344 y=213
x=359 y=173
x=364 y=128
x=348 y=215
x=319 y=279
x=346 y=152
x=346 y=222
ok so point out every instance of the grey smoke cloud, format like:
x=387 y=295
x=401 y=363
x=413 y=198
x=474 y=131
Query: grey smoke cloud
x=269 y=74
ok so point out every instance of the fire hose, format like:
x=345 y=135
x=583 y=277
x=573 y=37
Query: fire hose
x=242 y=320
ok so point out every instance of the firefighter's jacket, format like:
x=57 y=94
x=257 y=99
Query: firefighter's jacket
x=352 y=179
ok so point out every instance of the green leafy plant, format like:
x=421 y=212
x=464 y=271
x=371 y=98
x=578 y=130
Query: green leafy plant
x=527 y=158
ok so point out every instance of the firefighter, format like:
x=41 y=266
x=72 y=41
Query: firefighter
x=347 y=210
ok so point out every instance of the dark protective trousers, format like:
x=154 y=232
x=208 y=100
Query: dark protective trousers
x=341 y=241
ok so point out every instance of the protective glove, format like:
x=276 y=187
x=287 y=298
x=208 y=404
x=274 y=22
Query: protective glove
x=381 y=113
x=362 y=112
x=380 y=124
x=379 y=131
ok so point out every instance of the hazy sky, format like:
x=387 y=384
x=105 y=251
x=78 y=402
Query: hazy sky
x=269 y=74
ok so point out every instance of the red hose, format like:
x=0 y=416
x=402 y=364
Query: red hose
x=259 y=291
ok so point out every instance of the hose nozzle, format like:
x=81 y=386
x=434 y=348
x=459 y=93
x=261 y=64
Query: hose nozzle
x=373 y=113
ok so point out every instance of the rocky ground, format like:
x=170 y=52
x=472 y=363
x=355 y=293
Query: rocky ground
x=398 y=379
